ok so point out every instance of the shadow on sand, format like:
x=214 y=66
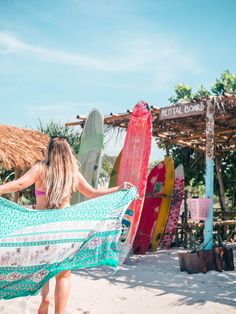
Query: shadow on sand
x=161 y=271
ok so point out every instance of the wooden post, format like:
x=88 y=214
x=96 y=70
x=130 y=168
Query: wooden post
x=221 y=184
x=16 y=194
x=167 y=149
x=185 y=220
x=209 y=178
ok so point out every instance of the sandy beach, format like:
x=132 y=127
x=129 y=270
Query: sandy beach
x=144 y=284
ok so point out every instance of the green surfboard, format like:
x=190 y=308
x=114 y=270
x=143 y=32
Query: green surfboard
x=91 y=151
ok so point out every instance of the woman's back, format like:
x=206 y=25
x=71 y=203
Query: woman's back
x=57 y=176
x=40 y=193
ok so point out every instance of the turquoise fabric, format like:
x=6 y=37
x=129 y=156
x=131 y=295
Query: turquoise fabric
x=35 y=245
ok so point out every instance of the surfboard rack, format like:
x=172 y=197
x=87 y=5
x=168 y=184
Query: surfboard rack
x=158 y=195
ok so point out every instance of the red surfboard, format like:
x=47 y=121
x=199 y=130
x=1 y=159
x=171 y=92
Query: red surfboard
x=150 y=210
x=134 y=167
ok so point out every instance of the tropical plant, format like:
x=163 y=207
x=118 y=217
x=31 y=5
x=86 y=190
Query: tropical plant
x=225 y=84
x=183 y=92
x=105 y=173
x=193 y=161
x=202 y=92
x=54 y=129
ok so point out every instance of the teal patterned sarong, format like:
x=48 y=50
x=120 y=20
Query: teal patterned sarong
x=35 y=245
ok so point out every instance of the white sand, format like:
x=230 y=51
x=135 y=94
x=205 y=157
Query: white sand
x=144 y=284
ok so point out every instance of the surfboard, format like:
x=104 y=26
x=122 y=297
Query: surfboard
x=172 y=222
x=151 y=206
x=134 y=168
x=165 y=204
x=91 y=151
x=114 y=173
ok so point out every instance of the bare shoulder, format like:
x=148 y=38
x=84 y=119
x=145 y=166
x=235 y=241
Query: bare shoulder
x=38 y=170
x=37 y=167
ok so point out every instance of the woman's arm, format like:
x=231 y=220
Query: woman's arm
x=23 y=182
x=90 y=192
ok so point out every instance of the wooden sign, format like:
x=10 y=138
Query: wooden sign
x=181 y=110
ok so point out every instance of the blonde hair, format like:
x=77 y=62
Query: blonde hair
x=61 y=172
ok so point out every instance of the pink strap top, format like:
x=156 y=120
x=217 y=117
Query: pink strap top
x=39 y=193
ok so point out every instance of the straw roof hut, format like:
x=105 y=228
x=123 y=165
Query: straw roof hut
x=21 y=148
x=186 y=131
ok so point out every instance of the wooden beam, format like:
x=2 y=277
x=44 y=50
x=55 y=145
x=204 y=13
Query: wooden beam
x=189 y=132
x=192 y=223
x=182 y=143
x=116 y=118
x=74 y=123
x=81 y=117
x=226 y=131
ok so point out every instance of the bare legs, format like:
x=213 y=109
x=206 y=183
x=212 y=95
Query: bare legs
x=61 y=294
x=62 y=291
x=43 y=308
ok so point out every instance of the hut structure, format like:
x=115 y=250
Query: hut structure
x=21 y=148
x=170 y=127
x=206 y=124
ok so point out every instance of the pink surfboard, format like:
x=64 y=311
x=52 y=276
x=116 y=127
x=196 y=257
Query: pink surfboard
x=150 y=209
x=134 y=168
x=172 y=222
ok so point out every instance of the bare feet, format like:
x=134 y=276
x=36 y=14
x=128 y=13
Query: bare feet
x=43 y=308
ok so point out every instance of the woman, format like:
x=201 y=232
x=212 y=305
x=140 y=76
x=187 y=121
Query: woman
x=55 y=180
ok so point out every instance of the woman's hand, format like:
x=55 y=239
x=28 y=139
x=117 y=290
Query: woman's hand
x=125 y=186
x=86 y=189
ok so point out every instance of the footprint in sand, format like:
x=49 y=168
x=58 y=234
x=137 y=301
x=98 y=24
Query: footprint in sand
x=84 y=312
x=122 y=298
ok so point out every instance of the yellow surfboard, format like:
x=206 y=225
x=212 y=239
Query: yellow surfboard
x=165 y=204
x=115 y=170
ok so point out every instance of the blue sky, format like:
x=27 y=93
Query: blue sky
x=60 y=58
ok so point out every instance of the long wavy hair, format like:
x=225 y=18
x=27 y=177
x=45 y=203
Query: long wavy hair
x=61 y=172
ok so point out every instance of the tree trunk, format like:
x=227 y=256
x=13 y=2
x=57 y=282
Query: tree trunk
x=234 y=199
x=221 y=184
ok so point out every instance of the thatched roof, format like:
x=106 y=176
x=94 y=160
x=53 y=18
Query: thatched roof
x=21 y=148
x=187 y=131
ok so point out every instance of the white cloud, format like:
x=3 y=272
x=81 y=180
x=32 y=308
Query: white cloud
x=156 y=56
x=11 y=44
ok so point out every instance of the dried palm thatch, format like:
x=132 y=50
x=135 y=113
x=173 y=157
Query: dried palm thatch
x=186 y=131
x=21 y=148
